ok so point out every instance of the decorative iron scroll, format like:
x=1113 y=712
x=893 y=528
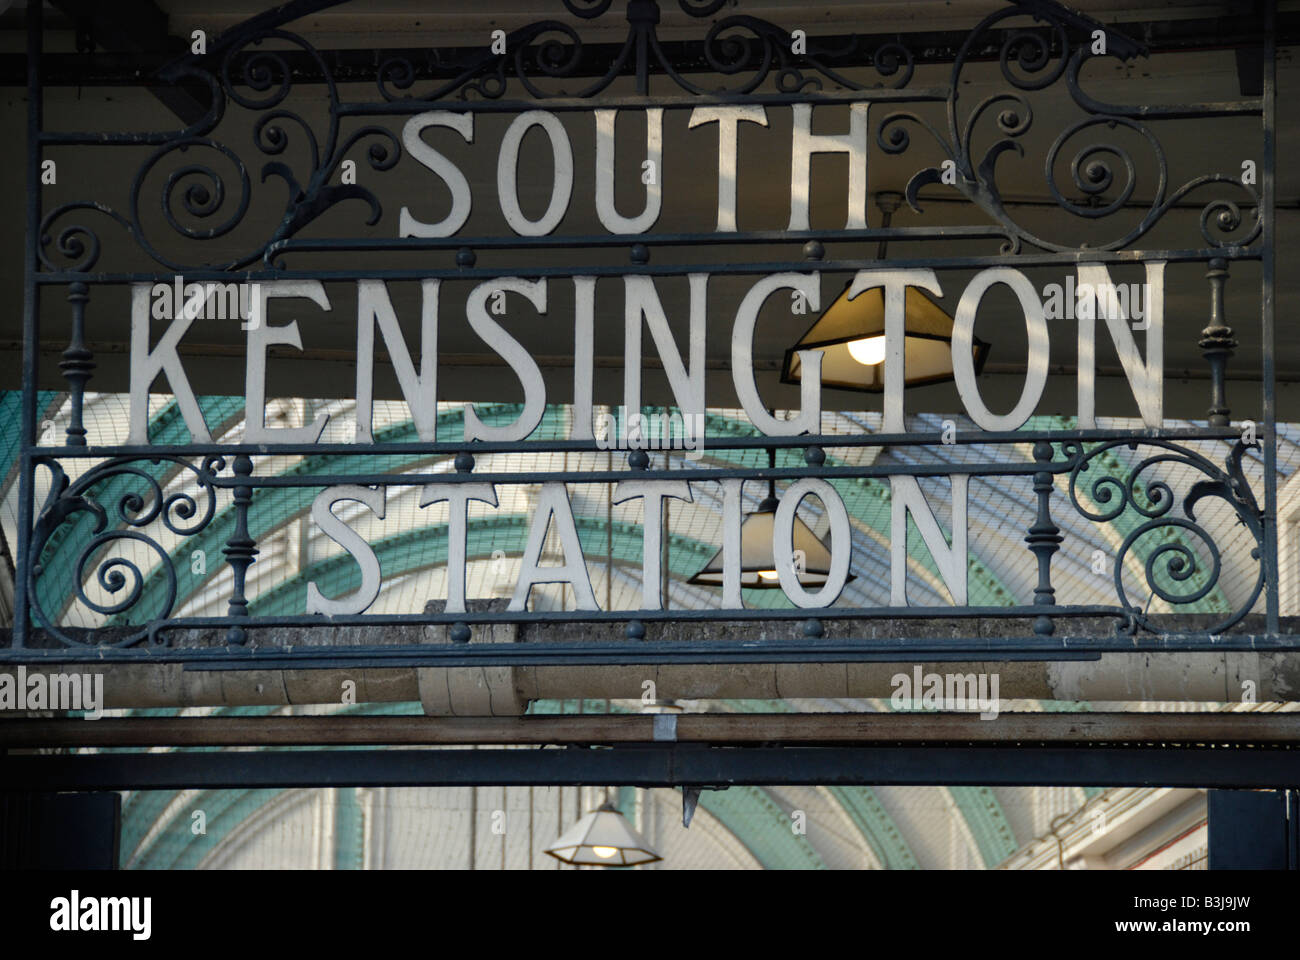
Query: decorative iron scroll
x=137 y=508
x=1155 y=501
x=205 y=189
x=1029 y=60
x=1168 y=565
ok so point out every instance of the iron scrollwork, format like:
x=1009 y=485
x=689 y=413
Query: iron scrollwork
x=206 y=190
x=1173 y=562
x=1031 y=61
x=216 y=201
x=203 y=193
x=180 y=512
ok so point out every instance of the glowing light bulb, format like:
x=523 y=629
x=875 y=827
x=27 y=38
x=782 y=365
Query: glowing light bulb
x=769 y=575
x=604 y=852
x=868 y=351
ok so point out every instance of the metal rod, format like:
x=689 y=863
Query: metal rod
x=842 y=728
x=666 y=766
x=1268 y=343
x=826 y=441
x=1066 y=259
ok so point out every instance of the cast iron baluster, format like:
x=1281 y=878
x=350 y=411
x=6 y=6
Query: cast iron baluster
x=1044 y=538
x=240 y=549
x=77 y=363
x=1217 y=343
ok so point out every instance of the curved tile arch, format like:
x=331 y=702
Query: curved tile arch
x=142 y=809
x=983 y=814
x=879 y=830
x=876 y=826
x=757 y=822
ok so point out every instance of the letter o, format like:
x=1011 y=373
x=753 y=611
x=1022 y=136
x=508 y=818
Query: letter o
x=963 y=362
x=508 y=169
x=841 y=543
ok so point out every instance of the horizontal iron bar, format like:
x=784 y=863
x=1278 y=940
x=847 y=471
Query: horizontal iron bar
x=644 y=652
x=934 y=94
x=622 y=616
x=1249 y=107
x=827 y=728
x=312 y=245
x=732 y=268
x=665 y=766
x=428 y=64
x=614 y=476
x=399 y=108
x=825 y=441
x=361 y=65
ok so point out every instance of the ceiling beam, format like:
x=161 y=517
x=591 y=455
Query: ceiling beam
x=664 y=765
x=116 y=63
x=135 y=36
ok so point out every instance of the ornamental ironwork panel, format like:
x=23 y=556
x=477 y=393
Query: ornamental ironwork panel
x=187 y=216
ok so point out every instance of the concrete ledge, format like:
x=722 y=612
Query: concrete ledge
x=1211 y=676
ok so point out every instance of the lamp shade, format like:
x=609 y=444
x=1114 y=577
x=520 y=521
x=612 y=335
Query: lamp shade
x=603 y=838
x=757 y=561
x=851 y=337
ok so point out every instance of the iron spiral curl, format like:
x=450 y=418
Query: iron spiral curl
x=182 y=513
x=1170 y=564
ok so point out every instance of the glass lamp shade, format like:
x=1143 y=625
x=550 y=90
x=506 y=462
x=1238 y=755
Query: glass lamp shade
x=850 y=335
x=603 y=838
x=757 y=563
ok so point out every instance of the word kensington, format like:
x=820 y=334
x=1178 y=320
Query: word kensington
x=686 y=377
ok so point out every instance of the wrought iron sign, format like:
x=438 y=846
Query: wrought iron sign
x=181 y=227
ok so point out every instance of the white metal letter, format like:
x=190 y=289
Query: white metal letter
x=553 y=501
x=259 y=338
x=1146 y=379
x=508 y=170
x=963 y=361
x=605 y=209
x=322 y=516
x=905 y=497
x=419 y=389
x=806 y=143
x=421 y=152
x=728 y=120
x=513 y=352
x=742 y=358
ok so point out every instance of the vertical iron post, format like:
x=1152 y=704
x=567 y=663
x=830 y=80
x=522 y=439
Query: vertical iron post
x=31 y=325
x=77 y=364
x=1271 y=591
x=240 y=550
x=1217 y=343
x=1044 y=538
